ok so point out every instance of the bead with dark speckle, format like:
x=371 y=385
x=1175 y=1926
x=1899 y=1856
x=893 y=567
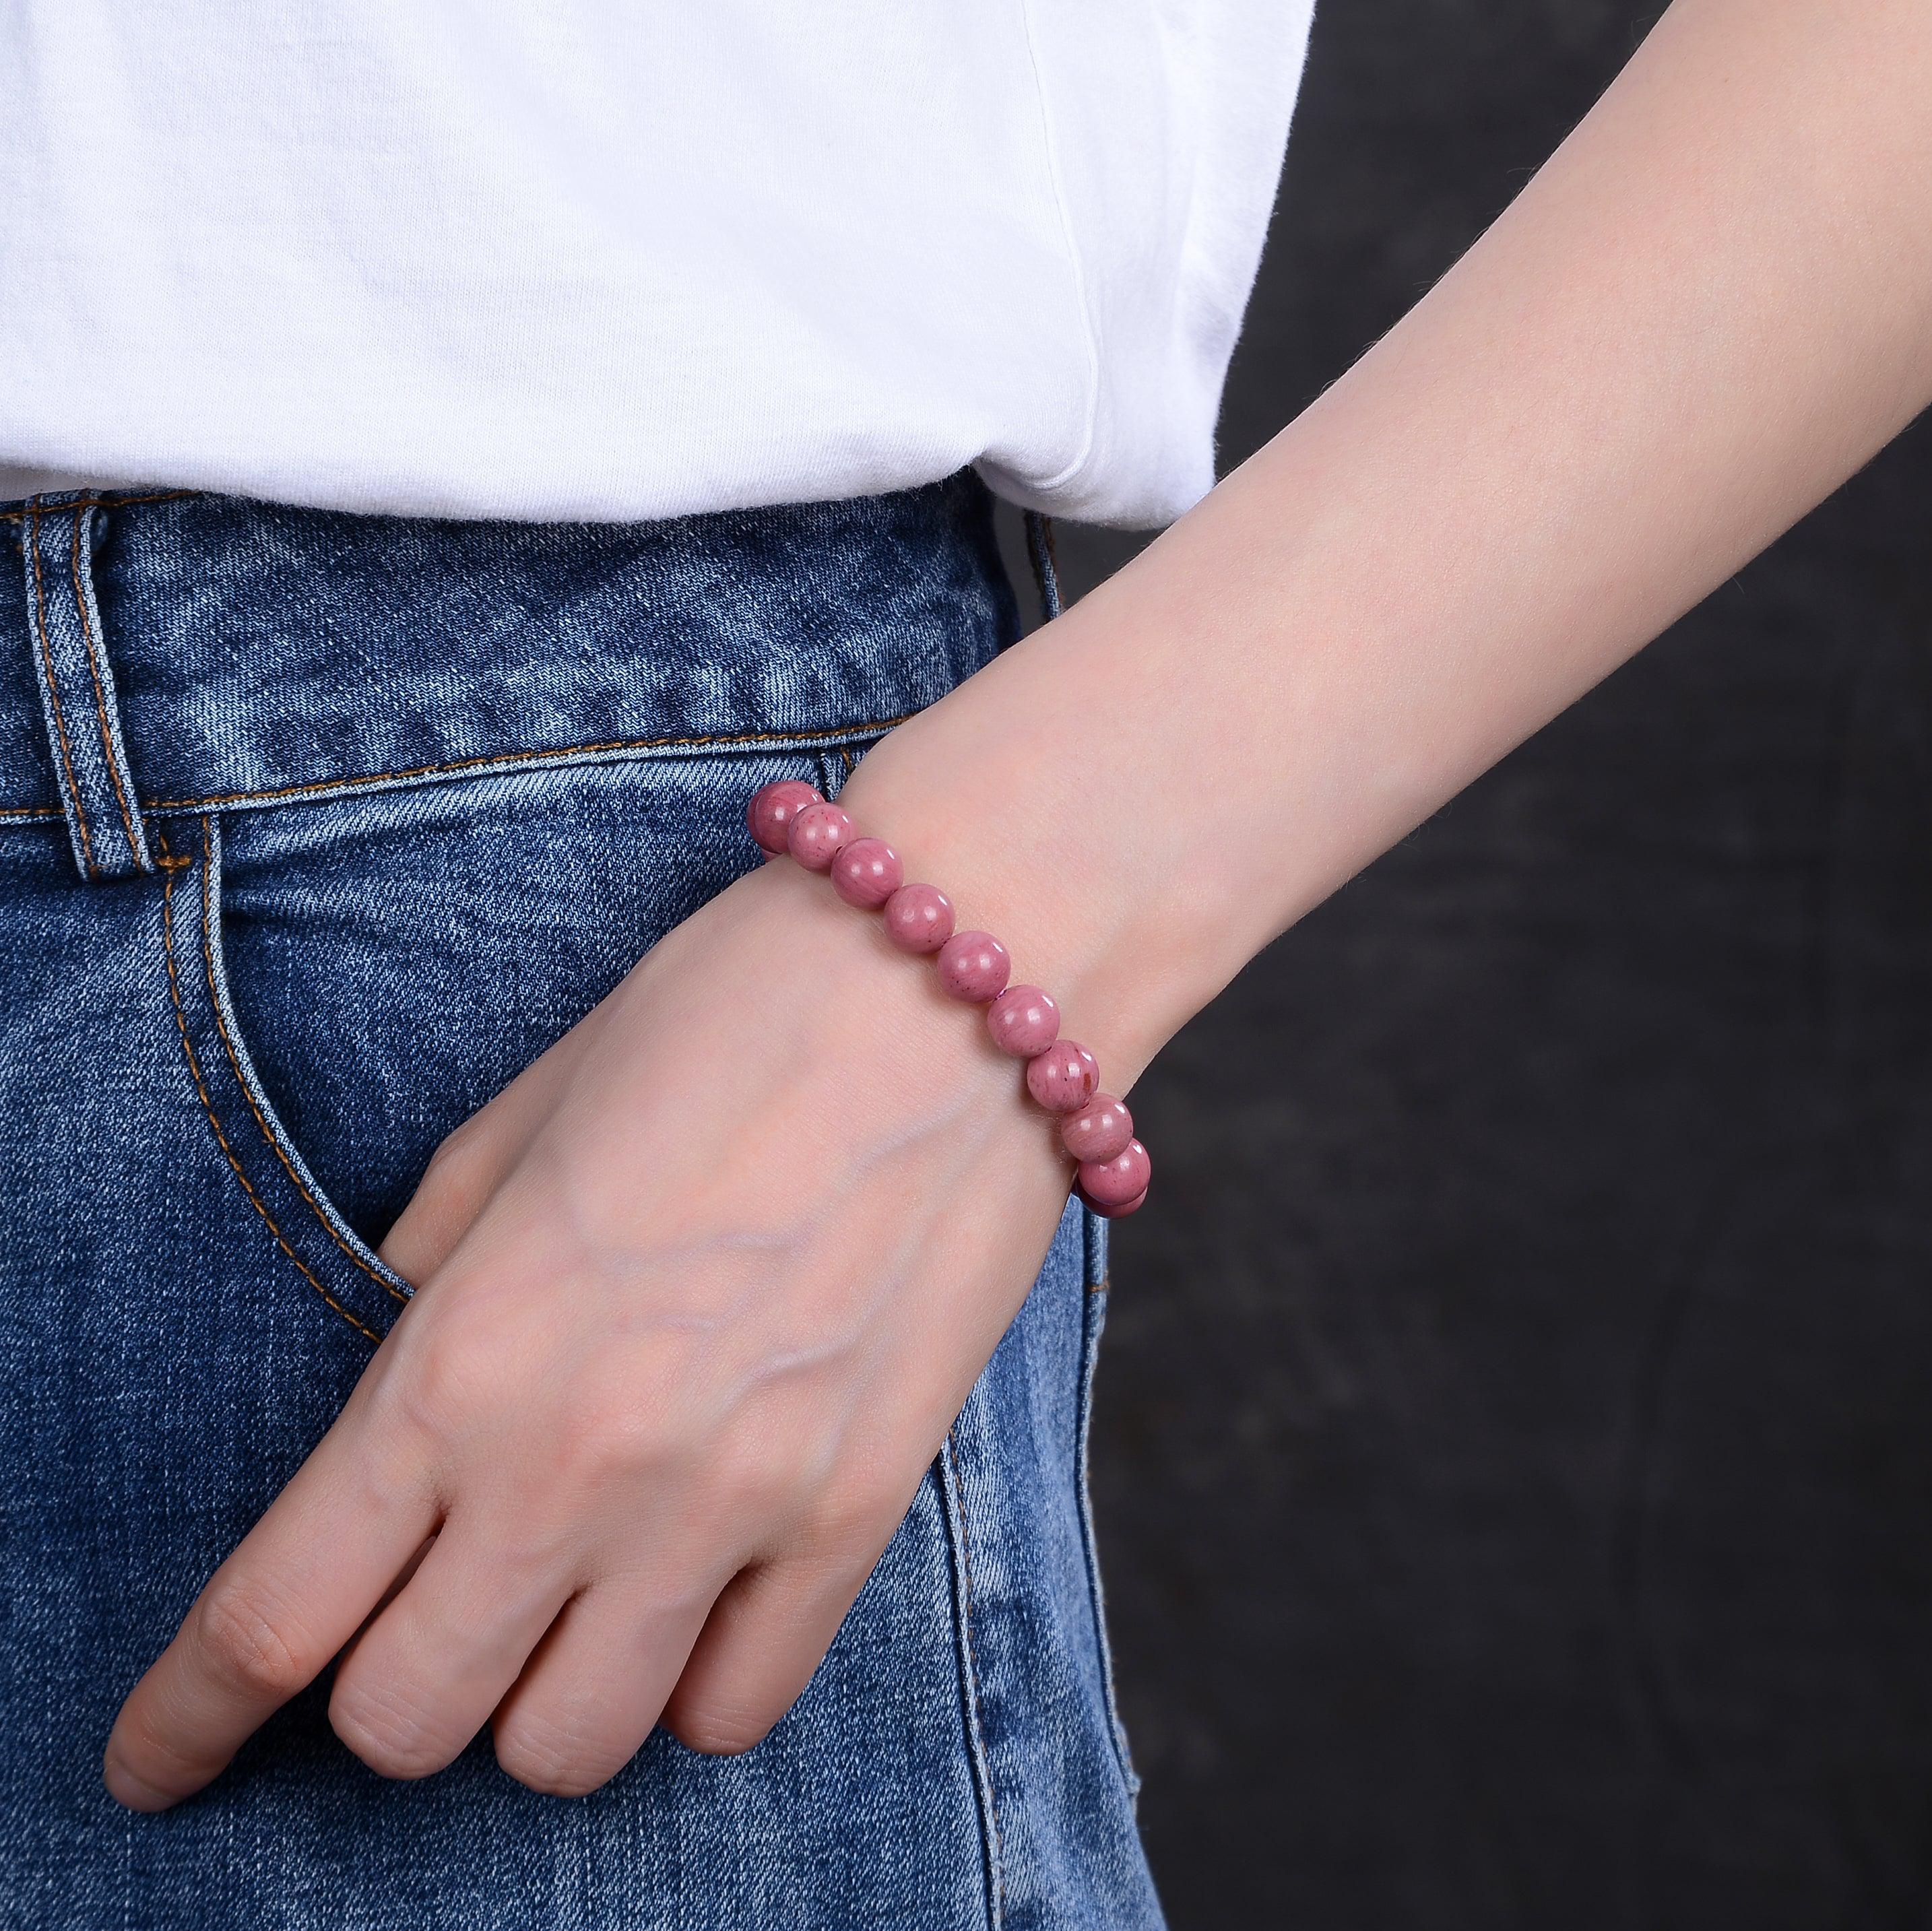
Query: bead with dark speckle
x=1107 y=1211
x=1064 y=1078
x=818 y=835
x=973 y=966
x=919 y=917
x=1114 y=1182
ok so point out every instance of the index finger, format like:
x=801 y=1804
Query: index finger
x=295 y=1589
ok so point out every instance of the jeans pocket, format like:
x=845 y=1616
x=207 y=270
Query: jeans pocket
x=320 y=1247
x=359 y=975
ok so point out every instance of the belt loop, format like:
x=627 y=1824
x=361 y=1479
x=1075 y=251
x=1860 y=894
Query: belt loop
x=84 y=737
x=1045 y=571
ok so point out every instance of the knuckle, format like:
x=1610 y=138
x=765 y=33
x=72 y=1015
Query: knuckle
x=450 y=1380
x=387 y=1730
x=553 y=1762
x=757 y=1483
x=594 y=1447
x=457 y=1157
x=238 y=1631
x=720 y=1728
x=606 y=1439
x=855 y=1516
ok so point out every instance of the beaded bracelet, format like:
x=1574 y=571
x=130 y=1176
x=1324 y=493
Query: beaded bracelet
x=792 y=817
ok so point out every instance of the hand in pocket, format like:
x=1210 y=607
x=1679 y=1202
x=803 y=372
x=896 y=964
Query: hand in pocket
x=700 y=1294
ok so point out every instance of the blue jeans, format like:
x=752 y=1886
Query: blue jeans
x=314 y=829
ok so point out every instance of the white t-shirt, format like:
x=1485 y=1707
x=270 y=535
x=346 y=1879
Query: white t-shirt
x=565 y=259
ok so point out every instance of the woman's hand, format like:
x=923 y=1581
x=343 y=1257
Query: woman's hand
x=701 y=1292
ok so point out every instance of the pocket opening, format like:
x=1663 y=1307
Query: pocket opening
x=346 y=1274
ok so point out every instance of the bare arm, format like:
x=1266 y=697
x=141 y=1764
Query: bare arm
x=1710 y=306
x=680 y=1356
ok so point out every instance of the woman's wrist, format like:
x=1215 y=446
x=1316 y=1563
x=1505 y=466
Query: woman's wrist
x=1038 y=833
x=789 y=819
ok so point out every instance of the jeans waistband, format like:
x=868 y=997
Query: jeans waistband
x=170 y=651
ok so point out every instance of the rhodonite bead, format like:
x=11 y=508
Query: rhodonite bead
x=1114 y=1182
x=1062 y=1079
x=818 y=835
x=973 y=966
x=772 y=808
x=1101 y=1129
x=1107 y=1211
x=1023 y=1020
x=866 y=872
x=919 y=917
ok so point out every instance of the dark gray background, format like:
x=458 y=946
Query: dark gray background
x=1514 y=1446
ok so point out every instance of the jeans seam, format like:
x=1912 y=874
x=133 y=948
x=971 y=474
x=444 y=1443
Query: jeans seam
x=969 y=1670
x=171 y=865
x=361 y=780
x=35 y=511
x=53 y=698
x=107 y=748
x=241 y=1079
x=1093 y=1307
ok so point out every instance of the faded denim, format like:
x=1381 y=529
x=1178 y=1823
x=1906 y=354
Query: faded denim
x=314 y=829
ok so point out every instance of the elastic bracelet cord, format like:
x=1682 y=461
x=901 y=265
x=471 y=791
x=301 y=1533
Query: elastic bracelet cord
x=792 y=818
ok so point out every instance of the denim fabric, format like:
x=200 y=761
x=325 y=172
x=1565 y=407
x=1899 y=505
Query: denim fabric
x=313 y=829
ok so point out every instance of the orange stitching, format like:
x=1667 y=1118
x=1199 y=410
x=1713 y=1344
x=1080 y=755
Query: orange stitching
x=952 y=1451
x=248 y=1092
x=525 y=757
x=172 y=866
x=31 y=811
x=1100 y=1286
x=93 y=502
x=99 y=696
x=60 y=723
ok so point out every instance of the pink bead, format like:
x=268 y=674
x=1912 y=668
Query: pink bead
x=1063 y=1079
x=1114 y=1182
x=919 y=917
x=1102 y=1128
x=973 y=966
x=1023 y=1020
x=818 y=836
x=774 y=806
x=1107 y=1211
x=866 y=872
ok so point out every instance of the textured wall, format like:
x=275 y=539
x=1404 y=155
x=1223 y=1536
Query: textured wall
x=1518 y=1516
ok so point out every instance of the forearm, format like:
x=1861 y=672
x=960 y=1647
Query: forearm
x=1710 y=306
